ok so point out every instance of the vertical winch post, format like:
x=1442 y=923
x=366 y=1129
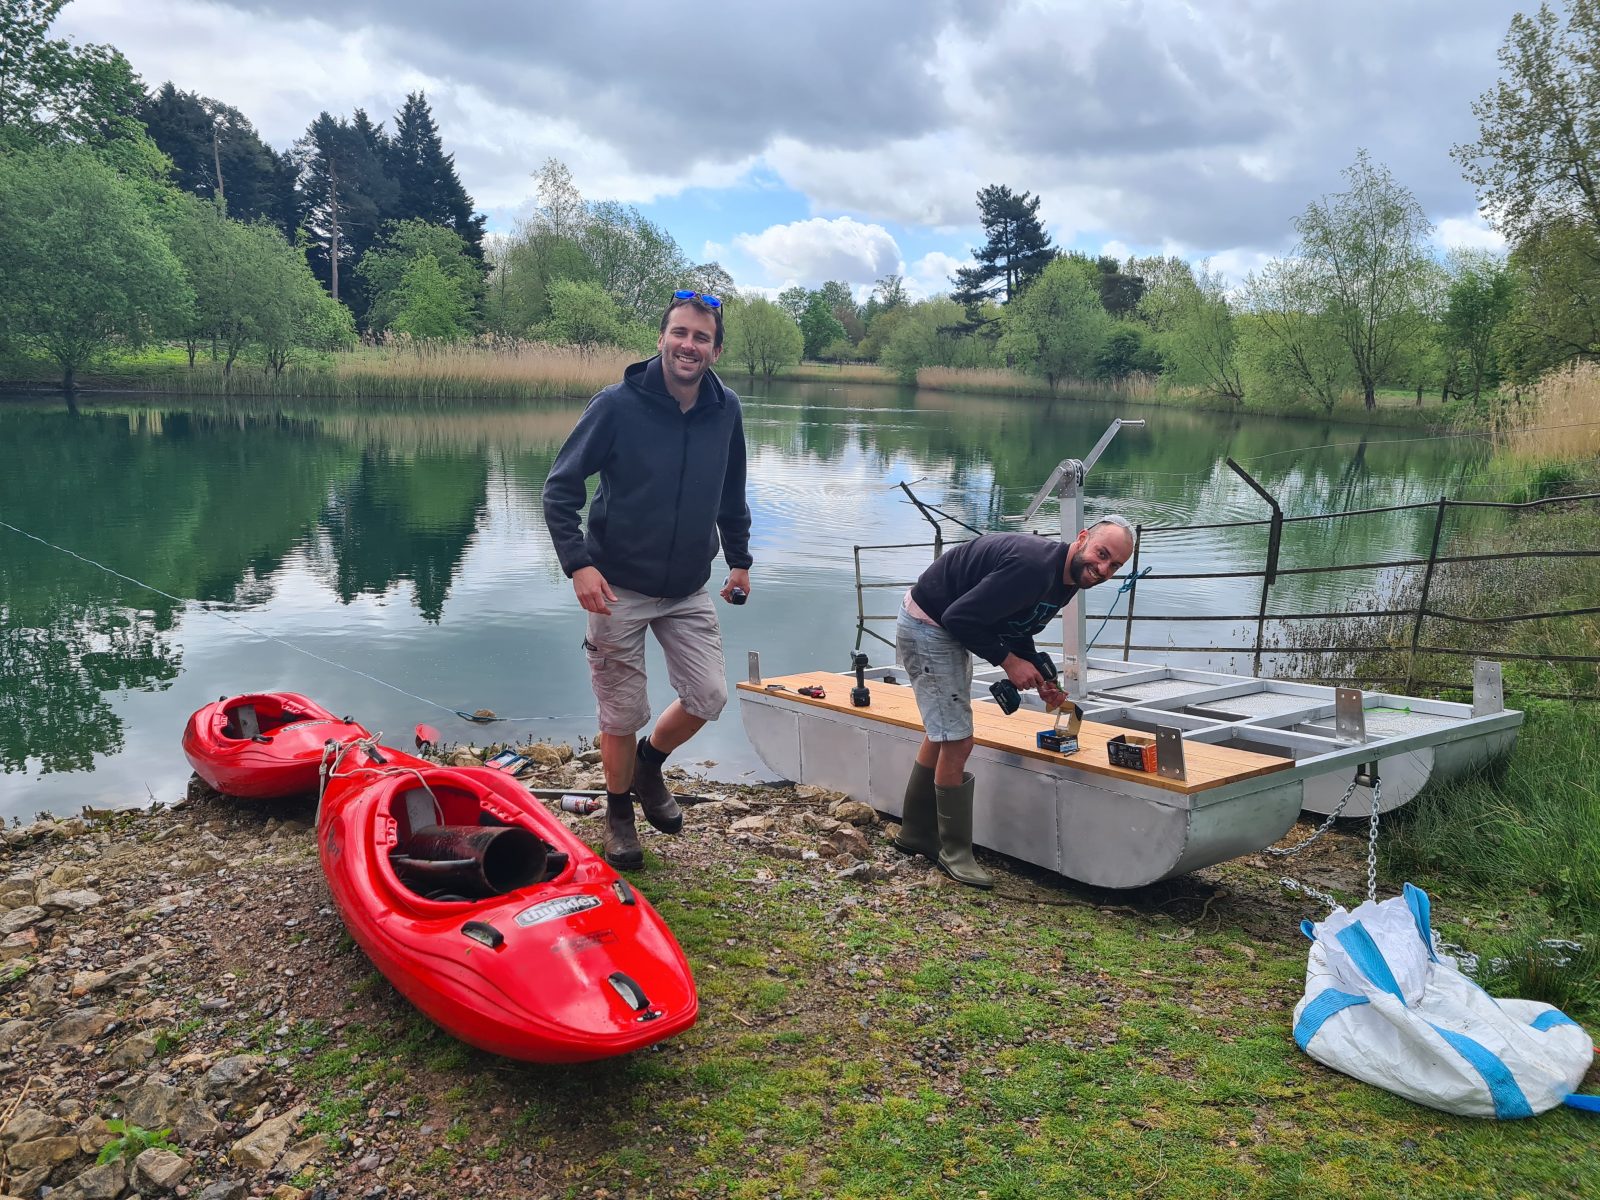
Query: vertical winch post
x=1066 y=483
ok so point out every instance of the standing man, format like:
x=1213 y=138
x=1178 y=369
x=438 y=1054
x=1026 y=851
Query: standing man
x=986 y=597
x=668 y=445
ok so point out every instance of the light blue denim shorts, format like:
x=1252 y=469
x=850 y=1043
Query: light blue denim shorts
x=941 y=677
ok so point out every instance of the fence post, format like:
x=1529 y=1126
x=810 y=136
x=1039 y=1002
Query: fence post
x=1133 y=590
x=1270 y=575
x=1422 y=600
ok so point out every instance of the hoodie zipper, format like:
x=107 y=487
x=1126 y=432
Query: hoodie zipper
x=677 y=502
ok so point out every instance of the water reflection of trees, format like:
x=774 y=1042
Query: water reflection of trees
x=192 y=506
x=405 y=518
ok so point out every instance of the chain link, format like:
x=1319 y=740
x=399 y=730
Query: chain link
x=1305 y=889
x=1286 y=851
x=1372 y=841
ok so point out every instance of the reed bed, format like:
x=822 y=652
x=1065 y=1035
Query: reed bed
x=516 y=371
x=1555 y=420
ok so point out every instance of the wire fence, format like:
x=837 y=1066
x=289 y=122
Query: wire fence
x=1403 y=637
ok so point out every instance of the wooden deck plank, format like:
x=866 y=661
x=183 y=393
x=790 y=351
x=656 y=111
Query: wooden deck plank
x=1206 y=766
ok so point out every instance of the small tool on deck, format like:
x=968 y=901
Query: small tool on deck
x=859 y=695
x=814 y=691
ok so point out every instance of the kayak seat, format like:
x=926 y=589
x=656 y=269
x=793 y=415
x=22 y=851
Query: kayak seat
x=243 y=723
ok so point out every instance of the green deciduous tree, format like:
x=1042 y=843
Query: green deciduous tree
x=582 y=314
x=762 y=337
x=85 y=267
x=52 y=91
x=818 y=326
x=1555 y=309
x=1055 y=328
x=1537 y=157
x=1196 y=332
x=1292 y=352
x=399 y=246
x=1364 y=257
x=1478 y=296
x=428 y=304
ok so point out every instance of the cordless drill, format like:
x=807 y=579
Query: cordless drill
x=859 y=696
x=1005 y=692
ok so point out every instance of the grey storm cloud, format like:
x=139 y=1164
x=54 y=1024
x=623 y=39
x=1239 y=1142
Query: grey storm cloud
x=1206 y=125
x=670 y=84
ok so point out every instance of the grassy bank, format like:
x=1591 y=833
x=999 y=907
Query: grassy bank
x=531 y=371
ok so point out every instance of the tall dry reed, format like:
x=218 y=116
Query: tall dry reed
x=1557 y=419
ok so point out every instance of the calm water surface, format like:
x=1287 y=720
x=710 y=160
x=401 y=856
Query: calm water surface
x=409 y=544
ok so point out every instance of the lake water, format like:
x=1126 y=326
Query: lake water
x=408 y=543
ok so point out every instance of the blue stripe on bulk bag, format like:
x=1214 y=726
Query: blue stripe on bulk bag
x=1422 y=913
x=1369 y=960
x=1315 y=1014
x=1554 y=1017
x=1583 y=1103
x=1310 y=930
x=1509 y=1102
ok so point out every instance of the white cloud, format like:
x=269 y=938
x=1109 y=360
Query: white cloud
x=1234 y=265
x=930 y=274
x=1468 y=233
x=814 y=251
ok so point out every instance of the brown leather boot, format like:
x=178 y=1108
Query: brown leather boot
x=660 y=809
x=621 y=840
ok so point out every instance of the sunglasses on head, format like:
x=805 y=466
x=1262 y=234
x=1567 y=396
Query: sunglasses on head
x=705 y=298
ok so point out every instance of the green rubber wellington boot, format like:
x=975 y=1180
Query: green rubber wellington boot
x=955 y=836
x=919 y=821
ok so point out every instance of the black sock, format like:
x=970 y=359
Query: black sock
x=649 y=753
x=619 y=804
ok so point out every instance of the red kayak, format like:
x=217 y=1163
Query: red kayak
x=264 y=744
x=491 y=917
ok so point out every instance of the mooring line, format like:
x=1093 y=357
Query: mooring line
x=211 y=612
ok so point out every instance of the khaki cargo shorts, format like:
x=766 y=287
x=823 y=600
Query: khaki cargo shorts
x=690 y=638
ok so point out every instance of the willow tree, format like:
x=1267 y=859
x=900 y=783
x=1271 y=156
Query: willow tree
x=1365 y=255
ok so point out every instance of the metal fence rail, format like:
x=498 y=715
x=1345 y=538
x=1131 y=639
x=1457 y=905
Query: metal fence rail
x=1271 y=571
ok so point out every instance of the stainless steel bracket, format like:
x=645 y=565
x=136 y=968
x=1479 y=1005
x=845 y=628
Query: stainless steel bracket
x=1169 y=753
x=1349 y=716
x=755 y=667
x=1488 y=689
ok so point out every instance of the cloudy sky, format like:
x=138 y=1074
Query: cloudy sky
x=846 y=139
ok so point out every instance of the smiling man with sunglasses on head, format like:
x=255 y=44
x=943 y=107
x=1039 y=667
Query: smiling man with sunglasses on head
x=668 y=445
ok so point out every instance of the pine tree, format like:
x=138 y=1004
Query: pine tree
x=1015 y=250
x=345 y=196
x=217 y=153
x=427 y=187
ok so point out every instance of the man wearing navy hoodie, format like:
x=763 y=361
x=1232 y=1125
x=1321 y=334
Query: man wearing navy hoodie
x=668 y=445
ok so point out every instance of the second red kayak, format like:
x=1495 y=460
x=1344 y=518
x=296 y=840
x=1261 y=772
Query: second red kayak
x=491 y=917
x=263 y=744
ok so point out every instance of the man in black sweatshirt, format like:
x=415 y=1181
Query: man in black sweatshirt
x=668 y=445
x=986 y=597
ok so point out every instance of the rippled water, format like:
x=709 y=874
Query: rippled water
x=408 y=543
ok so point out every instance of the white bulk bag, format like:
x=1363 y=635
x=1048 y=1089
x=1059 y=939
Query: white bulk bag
x=1383 y=1005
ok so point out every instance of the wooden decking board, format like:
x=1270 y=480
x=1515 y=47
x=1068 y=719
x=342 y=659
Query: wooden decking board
x=1207 y=766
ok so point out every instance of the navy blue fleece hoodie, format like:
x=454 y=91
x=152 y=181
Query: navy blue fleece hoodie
x=669 y=482
x=994 y=593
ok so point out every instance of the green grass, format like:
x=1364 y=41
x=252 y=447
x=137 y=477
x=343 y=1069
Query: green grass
x=1528 y=833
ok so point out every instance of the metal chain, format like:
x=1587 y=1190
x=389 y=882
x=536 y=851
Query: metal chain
x=1372 y=841
x=1286 y=851
x=1294 y=885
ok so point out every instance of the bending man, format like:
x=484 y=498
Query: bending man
x=986 y=597
x=668 y=445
